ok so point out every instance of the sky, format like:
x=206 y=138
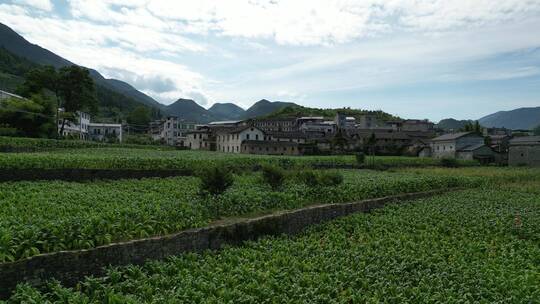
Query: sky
x=413 y=58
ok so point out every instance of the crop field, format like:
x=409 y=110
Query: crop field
x=48 y=216
x=462 y=247
x=23 y=144
x=153 y=159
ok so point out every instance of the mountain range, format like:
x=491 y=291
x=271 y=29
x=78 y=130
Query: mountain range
x=522 y=118
x=117 y=98
x=113 y=94
x=518 y=119
x=190 y=110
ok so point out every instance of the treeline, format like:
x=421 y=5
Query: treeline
x=299 y=111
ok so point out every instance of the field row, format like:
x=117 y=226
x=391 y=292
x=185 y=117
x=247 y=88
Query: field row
x=154 y=159
x=25 y=144
x=38 y=217
x=462 y=247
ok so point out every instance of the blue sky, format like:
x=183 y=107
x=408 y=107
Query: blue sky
x=416 y=59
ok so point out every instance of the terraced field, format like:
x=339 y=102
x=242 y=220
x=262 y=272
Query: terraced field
x=48 y=216
x=153 y=159
x=476 y=245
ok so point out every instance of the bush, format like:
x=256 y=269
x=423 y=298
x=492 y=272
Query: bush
x=360 y=158
x=215 y=180
x=330 y=179
x=449 y=162
x=320 y=178
x=274 y=176
x=308 y=177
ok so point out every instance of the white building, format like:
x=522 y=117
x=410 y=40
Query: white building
x=201 y=139
x=75 y=129
x=174 y=131
x=230 y=139
x=450 y=145
x=105 y=132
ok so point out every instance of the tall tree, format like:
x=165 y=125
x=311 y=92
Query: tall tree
x=140 y=116
x=39 y=81
x=76 y=91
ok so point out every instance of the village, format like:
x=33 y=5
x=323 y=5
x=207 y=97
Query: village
x=317 y=135
x=269 y=151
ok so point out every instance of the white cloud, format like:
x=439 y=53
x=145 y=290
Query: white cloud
x=283 y=48
x=44 y=5
x=114 y=51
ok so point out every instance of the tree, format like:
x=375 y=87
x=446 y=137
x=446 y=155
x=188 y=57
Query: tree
x=140 y=116
x=38 y=81
x=33 y=117
x=477 y=128
x=76 y=91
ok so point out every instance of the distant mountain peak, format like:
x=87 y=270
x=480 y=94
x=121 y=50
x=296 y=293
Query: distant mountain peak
x=521 y=118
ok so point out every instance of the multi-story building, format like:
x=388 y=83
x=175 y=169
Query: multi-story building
x=155 y=130
x=230 y=139
x=368 y=121
x=78 y=128
x=297 y=137
x=203 y=138
x=174 y=131
x=276 y=124
x=105 y=132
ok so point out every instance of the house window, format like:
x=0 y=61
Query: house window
x=256 y=136
x=247 y=136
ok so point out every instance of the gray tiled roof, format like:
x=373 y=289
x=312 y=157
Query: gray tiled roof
x=471 y=148
x=451 y=136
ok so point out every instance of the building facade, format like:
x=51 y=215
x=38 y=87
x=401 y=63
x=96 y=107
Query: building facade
x=448 y=145
x=524 y=151
x=105 y=132
x=174 y=131
x=201 y=139
x=78 y=129
x=230 y=139
x=276 y=125
x=270 y=147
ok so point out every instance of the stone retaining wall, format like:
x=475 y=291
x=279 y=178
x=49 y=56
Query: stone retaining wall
x=70 y=267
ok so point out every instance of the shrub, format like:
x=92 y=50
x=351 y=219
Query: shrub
x=273 y=176
x=215 y=180
x=360 y=158
x=330 y=179
x=449 y=162
x=320 y=178
x=308 y=177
